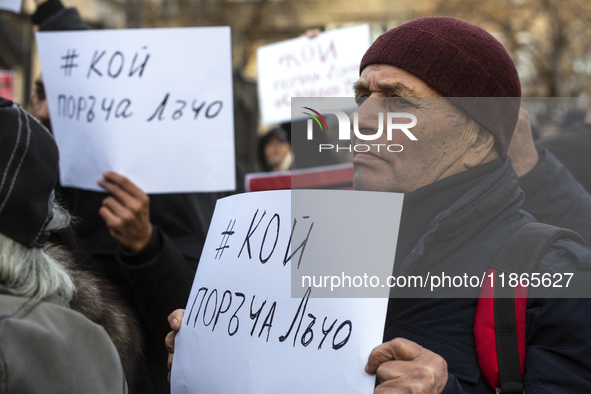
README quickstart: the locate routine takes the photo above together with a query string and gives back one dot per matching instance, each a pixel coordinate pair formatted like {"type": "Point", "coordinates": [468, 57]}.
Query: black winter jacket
{"type": "Point", "coordinates": [467, 218]}
{"type": "Point", "coordinates": [553, 196]}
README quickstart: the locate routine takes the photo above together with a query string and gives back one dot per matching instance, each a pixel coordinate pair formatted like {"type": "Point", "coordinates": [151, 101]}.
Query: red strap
{"type": "Point", "coordinates": [484, 329]}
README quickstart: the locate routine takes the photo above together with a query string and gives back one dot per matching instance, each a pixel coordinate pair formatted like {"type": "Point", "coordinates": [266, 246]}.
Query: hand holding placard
{"type": "Point", "coordinates": [126, 212]}
{"type": "Point", "coordinates": [404, 366]}
{"type": "Point", "coordinates": [174, 320]}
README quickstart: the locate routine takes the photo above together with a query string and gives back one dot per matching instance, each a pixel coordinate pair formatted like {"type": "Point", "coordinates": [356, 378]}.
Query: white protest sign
{"type": "Point", "coordinates": [155, 105]}
{"type": "Point", "coordinates": [324, 66]}
{"type": "Point", "coordinates": [242, 331]}
{"type": "Point", "coordinates": [11, 5]}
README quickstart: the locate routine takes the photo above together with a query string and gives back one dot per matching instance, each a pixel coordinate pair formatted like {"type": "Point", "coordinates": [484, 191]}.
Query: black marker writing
{"type": "Point", "coordinates": [250, 233]}
{"type": "Point", "coordinates": [225, 238]}
{"type": "Point", "coordinates": [114, 67]}
{"type": "Point", "coordinates": [265, 259]}
{"type": "Point", "coordinates": [208, 309]}
{"type": "Point", "coordinates": [212, 109]}
{"type": "Point", "coordinates": [71, 107]}
{"type": "Point", "coordinates": [304, 304]}
{"type": "Point", "coordinates": [69, 62]}
{"type": "Point", "coordinates": [230, 331]}
{"type": "Point", "coordinates": [302, 246]}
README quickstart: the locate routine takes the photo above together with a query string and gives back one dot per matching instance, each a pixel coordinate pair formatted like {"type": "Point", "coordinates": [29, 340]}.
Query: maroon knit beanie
{"type": "Point", "coordinates": [458, 60]}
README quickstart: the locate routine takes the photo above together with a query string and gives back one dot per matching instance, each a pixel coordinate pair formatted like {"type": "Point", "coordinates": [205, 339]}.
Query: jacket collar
{"type": "Point", "coordinates": [493, 191]}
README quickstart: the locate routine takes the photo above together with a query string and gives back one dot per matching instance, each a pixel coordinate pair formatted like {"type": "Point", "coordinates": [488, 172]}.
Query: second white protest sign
{"type": "Point", "coordinates": [324, 66]}
{"type": "Point", "coordinates": [155, 105]}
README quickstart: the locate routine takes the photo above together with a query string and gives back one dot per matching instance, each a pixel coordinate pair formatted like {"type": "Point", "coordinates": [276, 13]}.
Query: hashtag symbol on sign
{"type": "Point", "coordinates": [69, 62]}
{"type": "Point", "coordinates": [225, 238]}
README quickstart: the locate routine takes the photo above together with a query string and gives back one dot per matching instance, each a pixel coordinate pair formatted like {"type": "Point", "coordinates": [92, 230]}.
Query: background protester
{"type": "Point", "coordinates": [552, 194]}
{"type": "Point", "coordinates": [275, 151]}
{"type": "Point", "coordinates": [572, 147]}
{"type": "Point", "coordinates": [62, 329]}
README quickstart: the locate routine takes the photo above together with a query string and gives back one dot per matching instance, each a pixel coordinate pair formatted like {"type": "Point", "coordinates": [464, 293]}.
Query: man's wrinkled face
{"type": "Point", "coordinates": [444, 134]}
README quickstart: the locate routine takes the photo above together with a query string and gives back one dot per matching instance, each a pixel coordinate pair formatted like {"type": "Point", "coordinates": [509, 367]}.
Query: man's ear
{"type": "Point", "coordinates": [482, 150]}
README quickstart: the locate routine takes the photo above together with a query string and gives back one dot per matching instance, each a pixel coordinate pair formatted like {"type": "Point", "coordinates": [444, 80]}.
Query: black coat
{"type": "Point", "coordinates": [456, 226]}
{"type": "Point", "coordinates": [572, 147]}
{"type": "Point", "coordinates": [553, 196]}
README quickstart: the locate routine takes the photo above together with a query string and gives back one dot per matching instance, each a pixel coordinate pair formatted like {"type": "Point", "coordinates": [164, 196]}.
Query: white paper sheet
{"type": "Point", "coordinates": [324, 66]}
{"type": "Point", "coordinates": [155, 105]}
{"type": "Point", "coordinates": [227, 346]}
{"type": "Point", "coordinates": [11, 5]}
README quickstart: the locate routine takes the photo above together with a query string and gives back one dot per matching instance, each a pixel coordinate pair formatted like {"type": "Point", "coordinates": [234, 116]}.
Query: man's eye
{"type": "Point", "coordinates": [398, 102]}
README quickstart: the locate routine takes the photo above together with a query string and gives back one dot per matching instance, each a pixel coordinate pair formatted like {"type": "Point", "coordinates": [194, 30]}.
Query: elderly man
{"type": "Point", "coordinates": [462, 203]}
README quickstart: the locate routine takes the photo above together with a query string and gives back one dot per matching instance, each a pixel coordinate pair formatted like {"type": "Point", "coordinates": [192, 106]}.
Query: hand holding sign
{"type": "Point", "coordinates": [404, 366]}
{"type": "Point", "coordinates": [174, 320]}
{"type": "Point", "coordinates": [126, 212]}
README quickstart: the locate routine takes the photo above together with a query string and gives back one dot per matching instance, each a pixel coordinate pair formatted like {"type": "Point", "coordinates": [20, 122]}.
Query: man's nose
{"type": "Point", "coordinates": [368, 117]}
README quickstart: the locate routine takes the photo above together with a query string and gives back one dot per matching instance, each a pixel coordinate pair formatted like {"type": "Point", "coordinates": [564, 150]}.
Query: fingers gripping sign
{"type": "Point", "coordinates": [174, 320]}
{"type": "Point", "coordinates": [403, 366]}
{"type": "Point", "coordinates": [126, 211]}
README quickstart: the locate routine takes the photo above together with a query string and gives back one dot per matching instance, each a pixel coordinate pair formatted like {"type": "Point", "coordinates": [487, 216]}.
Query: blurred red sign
{"type": "Point", "coordinates": [338, 176]}
{"type": "Point", "coordinates": [7, 78]}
